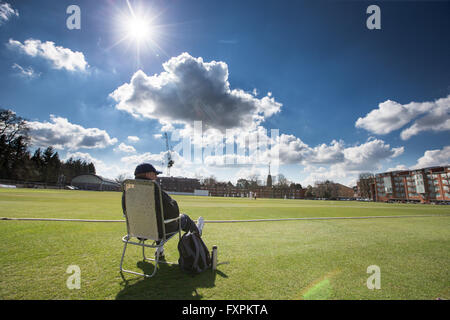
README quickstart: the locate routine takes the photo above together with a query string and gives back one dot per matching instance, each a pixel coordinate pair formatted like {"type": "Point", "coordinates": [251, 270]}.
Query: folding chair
{"type": "Point", "coordinates": [142, 222]}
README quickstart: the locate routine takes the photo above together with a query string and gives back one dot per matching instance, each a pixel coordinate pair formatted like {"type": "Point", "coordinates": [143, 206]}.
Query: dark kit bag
{"type": "Point", "coordinates": [194, 255]}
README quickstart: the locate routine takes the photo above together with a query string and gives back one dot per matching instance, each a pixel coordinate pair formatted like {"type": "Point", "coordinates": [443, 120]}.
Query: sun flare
{"type": "Point", "coordinates": [138, 29]}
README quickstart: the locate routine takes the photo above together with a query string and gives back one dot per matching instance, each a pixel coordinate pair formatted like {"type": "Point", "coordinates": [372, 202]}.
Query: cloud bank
{"type": "Point", "coordinates": [61, 134]}
{"type": "Point", "coordinates": [430, 158]}
{"type": "Point", "coordinates": [6, 12]}
{"type": "Point", "coordinates": [60, 57]}
{"type": "Point", "coordinates": [190, 89]}
{"type": "Point", "coordinates": [391, 116]}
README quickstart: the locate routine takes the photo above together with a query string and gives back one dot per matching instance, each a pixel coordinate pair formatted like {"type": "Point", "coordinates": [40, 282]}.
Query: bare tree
{"type": "Point", "coordinates": [12, 125]}
{"type": "Point", "coordinates": [365, 182]}
{"type": "Point", "coordinates": [282, 181]}
{"type": "Point", "coordinates": [121, 178]}
{"type": "Point", "coordinates": [253, 178]}
{"type": "Point", "coordinates": [210, 181]}
{"type": "Point", "coordinates": [326, 189]}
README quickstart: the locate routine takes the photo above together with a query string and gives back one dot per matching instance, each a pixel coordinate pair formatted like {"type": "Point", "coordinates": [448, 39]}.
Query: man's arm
{"type": "Point", "coordinates": [123, 203]}
{"type": "Point", "coordinates": [170, 206]}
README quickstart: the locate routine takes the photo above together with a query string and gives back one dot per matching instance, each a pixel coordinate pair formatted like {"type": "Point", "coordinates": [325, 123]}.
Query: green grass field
{"type": "Point", "coordinates": [308, 259]}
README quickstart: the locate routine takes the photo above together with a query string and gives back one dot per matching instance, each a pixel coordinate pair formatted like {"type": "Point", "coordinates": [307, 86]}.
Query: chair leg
{"type": "Point", "coordinates": [143, 251]}
{"type": "Point", "coordinates": [137, 273]}
{"type": "Point", "coordinates": [123, 255]}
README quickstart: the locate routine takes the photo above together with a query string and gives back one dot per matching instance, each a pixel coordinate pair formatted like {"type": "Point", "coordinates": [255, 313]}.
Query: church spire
{"type": "Point", "coordinates": [269, 179]}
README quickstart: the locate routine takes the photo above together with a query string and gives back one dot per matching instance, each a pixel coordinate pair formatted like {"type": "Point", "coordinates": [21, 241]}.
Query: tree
{"type": "Point", "coordinates": [243, 184]}
{"type": "Point", "coordinates": [364, 183]}
{"type": "Point", "coordinates": [253, 178]}
{"type": "Point", "coordinates": [121, 178]}
{"type": "Point", "coordinates": [72, 168]}
{"type": "Point", "coordinates": [326, 189]}
{"type": "Point", "coordinates": [37, 164]}
{"type": "Point", "coordinates": [309, 193]}
{"type": "Point", "coordinates": [12, 126]}
{"type": "Point", "coordinates": [282, 181]}
{"type": "Point", "coordinates": [91, 168]}
{"type": "Point", "coordinates": [44, 166]}
{"type": "Point", "coordinates": [210, 181]}
{"type": "Point", "coordinates": [52, 165]}
{"type": "Point", "coordinates": [14, 140]}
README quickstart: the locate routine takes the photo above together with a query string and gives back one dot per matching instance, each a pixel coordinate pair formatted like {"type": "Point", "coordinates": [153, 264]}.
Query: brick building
{"type": "Point", "coordinates": [421, 185]}
{"type": "Point", "coordinates": [225, 190]}
{"type": "Point", "coordinates": [178, 184]}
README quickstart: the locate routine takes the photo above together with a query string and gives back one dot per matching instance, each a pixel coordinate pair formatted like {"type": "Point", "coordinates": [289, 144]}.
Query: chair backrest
{"type": "Point", "coordinates": [141, 212]}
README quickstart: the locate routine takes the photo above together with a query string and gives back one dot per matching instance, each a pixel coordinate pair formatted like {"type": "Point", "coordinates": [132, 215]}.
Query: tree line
{"type": "Point", "coordinates": [252, 182]}
{"type": "Point", "coordinates": [323, 189]}
{"type": "Point", "coordinates": [45, 166]}
{"type": "Point", "coordinates": [328, 189]}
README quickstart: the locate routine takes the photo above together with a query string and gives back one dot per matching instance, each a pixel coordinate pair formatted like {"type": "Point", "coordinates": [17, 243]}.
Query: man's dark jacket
{"type": "Point", "coordinates": [170, 209]}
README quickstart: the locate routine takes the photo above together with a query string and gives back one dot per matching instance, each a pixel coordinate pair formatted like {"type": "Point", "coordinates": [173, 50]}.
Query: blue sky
{"type": "Point", "coordinates": [344, 98]}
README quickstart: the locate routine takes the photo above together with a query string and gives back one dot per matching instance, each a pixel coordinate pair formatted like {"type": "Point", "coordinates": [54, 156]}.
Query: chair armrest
{"type": "Point", "coordinates": [171, 220]}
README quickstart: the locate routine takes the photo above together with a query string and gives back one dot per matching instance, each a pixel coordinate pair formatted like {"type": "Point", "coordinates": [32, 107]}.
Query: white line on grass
{"type": "Point", "coordinates": [234, 221]}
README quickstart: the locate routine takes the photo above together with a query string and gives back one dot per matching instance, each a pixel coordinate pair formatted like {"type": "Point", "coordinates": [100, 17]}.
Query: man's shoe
{"type": "Point", "coordinates": [200, 224]}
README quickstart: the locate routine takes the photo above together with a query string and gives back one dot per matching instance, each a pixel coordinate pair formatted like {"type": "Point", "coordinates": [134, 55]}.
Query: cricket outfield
{"type": "Point", "coordinates": [292, 259]}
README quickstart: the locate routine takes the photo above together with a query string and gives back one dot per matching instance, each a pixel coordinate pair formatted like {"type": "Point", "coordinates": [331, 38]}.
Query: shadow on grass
{"type": "Point", "coordinates": [169, 283]}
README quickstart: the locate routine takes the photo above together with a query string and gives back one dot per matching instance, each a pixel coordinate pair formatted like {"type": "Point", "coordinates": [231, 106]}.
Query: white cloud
{"type": "Point", "coordinates": [391, 116]}
{"type": "Point", "coordinates": [6, 12]}
{"type": "Point", "coordinates": [366, 157]}
{"type": "Point", "coordinates": [182, 167]}
{"type": "Point", "coordinates": [438, 119]}
{"type": "Point", "coordinates": [336, 157]}
{"type": "Point", "coordinates": [326, 154]}
{"type": "Point", "coordinates": [122, 147]}
{"type": "Point", "coordinates": [260, 173]}
{"type": "Point", "coordinates": [62, 134]}
{"type": "Point", "coordinates": [399, 167]}
{"type": "Point", "coordinates": [430, 158]}
{"type": "Point", "coordinates": [190, 89]}
{"type": "Point", "coordinates": [322, 173]}
{"type": "Point", "coordinates": [335, 160]}
{"type": "Point", "coordinates": [293, 150]}
{"type": "Point", "coordinates": [157, 159]}
{"type": "Point", "coordinates": [110, 171]}
{"type": "Point", "coordinates": [133, 138]}
{"type": "Point", "coordinates": [26, 72]}
{"type": "Point", "coordinates": [61, 58]}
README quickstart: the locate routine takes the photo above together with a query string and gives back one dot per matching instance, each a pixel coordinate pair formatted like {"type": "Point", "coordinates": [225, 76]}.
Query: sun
{"type": "Point", "coordinates": [138, 29]}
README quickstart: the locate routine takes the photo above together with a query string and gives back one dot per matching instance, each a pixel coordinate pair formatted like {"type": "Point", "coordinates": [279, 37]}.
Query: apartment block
{"type": "Point", "coordinates": [421, 185]}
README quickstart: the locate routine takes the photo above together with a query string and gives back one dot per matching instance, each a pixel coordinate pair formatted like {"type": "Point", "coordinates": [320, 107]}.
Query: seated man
{"type": "Point", "coordinates": [170, 206]}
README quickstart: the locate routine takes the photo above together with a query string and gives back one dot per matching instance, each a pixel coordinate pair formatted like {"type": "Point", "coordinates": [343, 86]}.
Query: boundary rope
{"type": "Point", "coordinates": [234, 221]}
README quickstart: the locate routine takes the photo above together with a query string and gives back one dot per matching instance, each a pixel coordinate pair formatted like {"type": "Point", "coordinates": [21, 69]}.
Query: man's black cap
{"type": "Point", "coordinates": [144, 168]}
